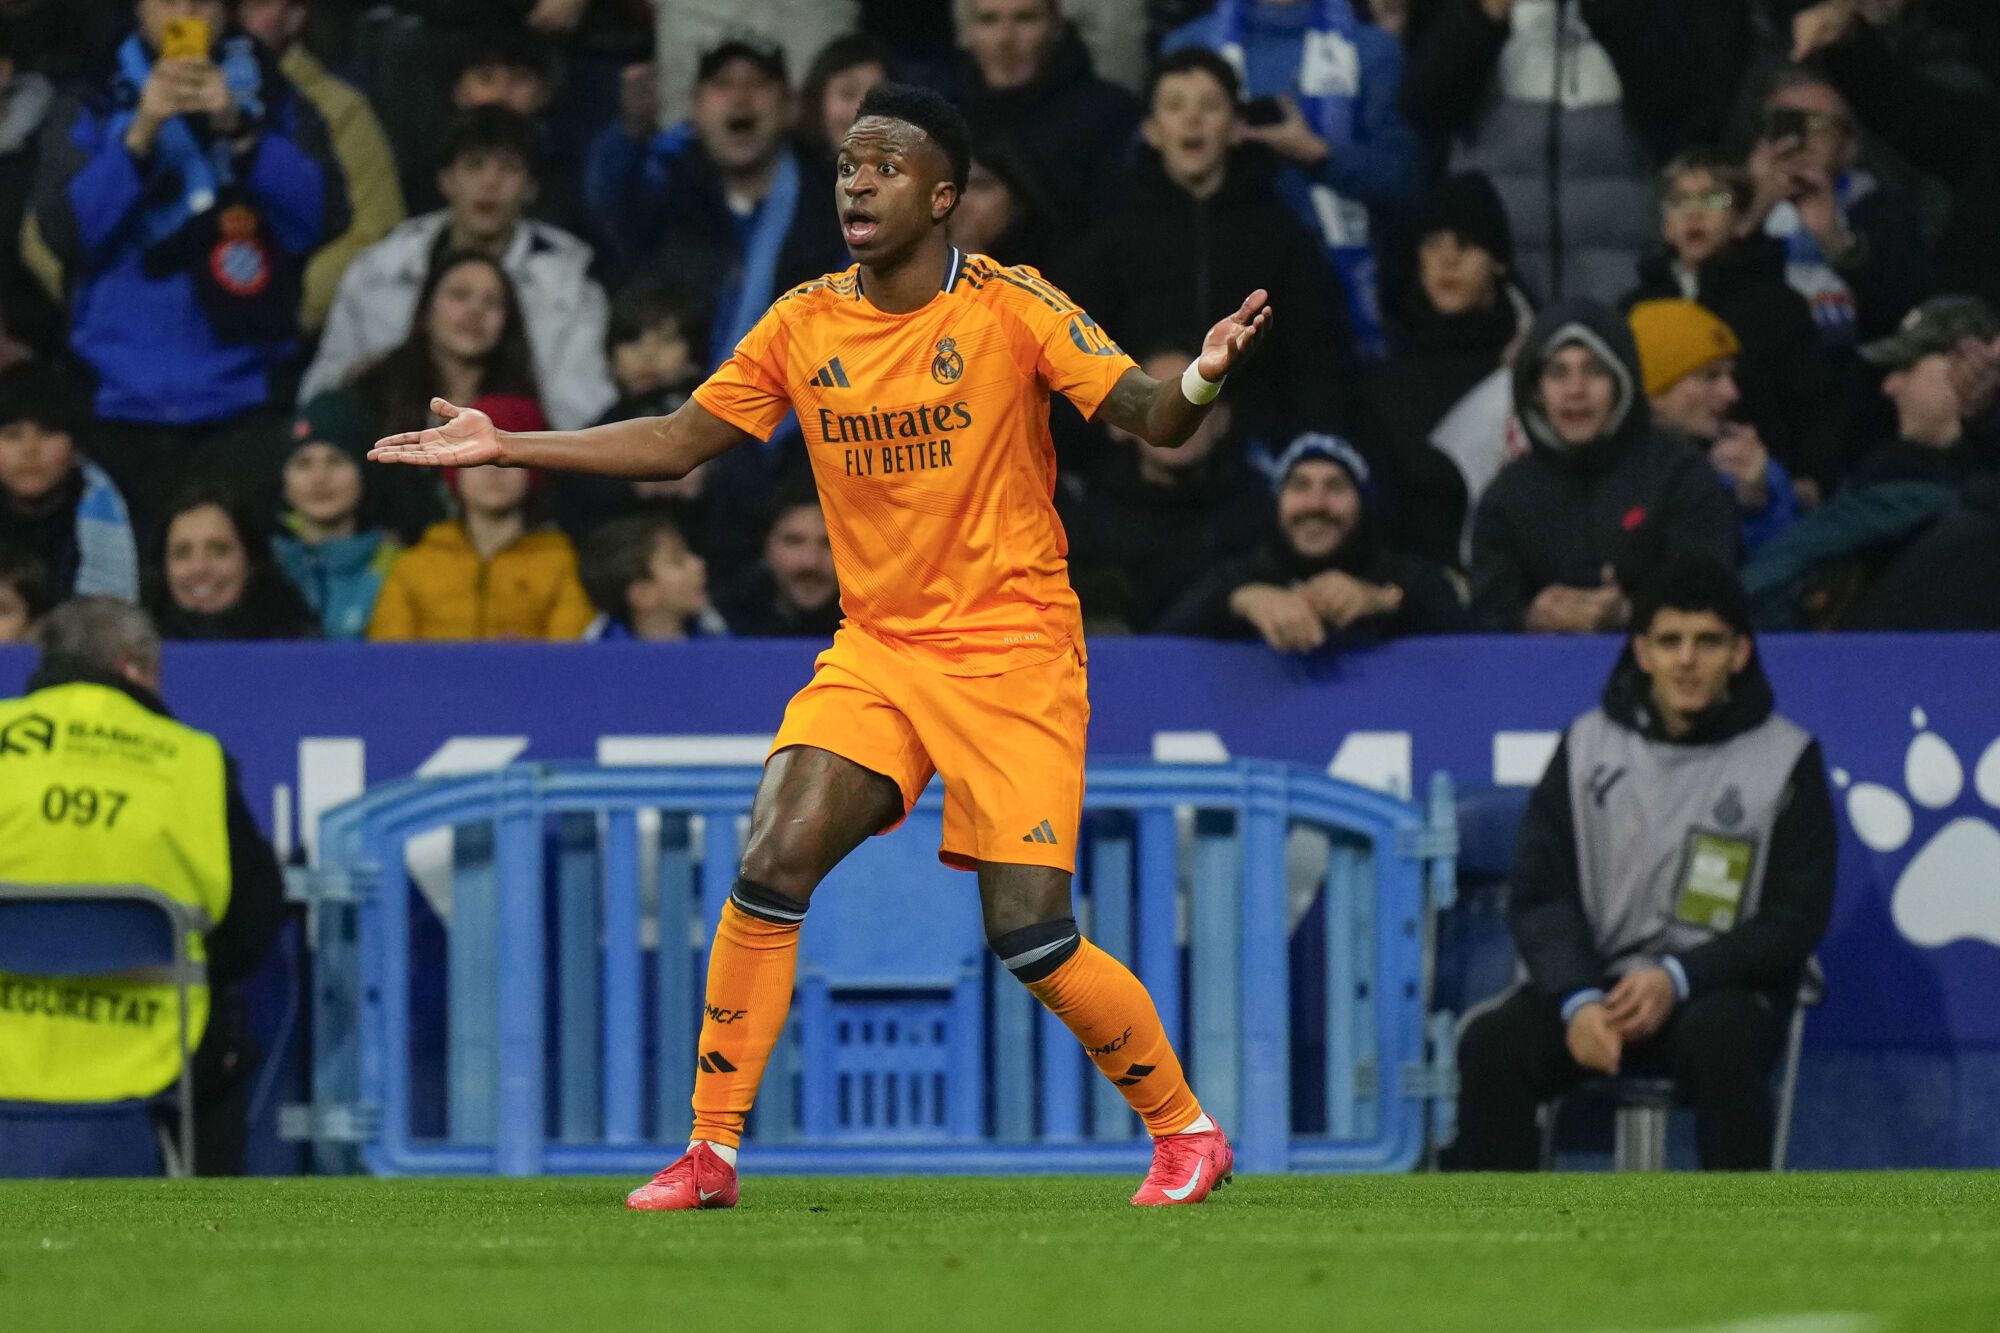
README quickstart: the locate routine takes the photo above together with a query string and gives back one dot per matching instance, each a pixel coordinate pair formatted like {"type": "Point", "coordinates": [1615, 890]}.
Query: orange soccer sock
{"type": "Point", "coordinates": [750, 970]}
{"type": "Point", "coordinates": [1112, 1014]}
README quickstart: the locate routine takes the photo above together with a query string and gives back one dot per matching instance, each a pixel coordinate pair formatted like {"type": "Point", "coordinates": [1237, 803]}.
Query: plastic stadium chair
{"type": "Point", "coordinates": [94, 931]}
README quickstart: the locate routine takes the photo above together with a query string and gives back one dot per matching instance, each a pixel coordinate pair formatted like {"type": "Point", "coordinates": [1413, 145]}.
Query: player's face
{"type": "Point", "coordinates": [33, 462]}
{"type": "Point", "coordinates": [801, 559]}
{"type": "Point", "coordinates": [1698, 404]}
{"type": "Point", "coordinates": [891, 188]}
{"type": "Point", "coordinates": [740, 113]}
{"type": "Point", "coordinates": [206, 563]}
{"type": "Point", "coordinates": [322, 484]}
{"type": "Point", "coordinates": [1690, 657]}
{"type": "Point", "coordinates": [468, 313]}
{"type": "Point", "coordinates": [1191, 124]}
{"type": "Point", "coordinates": [1317, 507]}
{"type": "Point", "coordinates": [1578, 393]}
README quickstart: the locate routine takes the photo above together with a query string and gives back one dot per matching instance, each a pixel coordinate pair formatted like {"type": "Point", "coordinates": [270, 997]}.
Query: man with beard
{"type": "Point", "coordinates": [1322, 577]}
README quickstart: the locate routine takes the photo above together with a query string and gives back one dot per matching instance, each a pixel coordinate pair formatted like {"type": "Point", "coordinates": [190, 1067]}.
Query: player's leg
{"type": "Point", "coordinates": [812, 808]}
{"type": "Point", "coordinates": [1031, 925]}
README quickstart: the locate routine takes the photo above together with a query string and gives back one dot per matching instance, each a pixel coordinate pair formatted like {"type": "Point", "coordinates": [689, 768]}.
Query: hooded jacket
{"type": "Point", "coordinates": [440, 589]}
{"type": "Point", "coordinates": [1562, 513]}
{"type": "Point", "coordinates": [1590, 903]}
{"type": "Point", "coordinates": [1160, 272]}
{"type": "Point", "coordinates": [564, 310]}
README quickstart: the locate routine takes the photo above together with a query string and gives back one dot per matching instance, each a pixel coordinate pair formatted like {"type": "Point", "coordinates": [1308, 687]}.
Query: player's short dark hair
{"type": "Point", "coordinates": [929, 112]}
{"type": "Point", "coordinates": [653, 300]}
{"type": "Point", "coordinates": [1688, 580]}
{"type": "Point", "coordinates": [491, 129]}
{"type": "Point", "coordinates": [1191, 60]}
{"type": "Point", "coordinates": [619, 553]}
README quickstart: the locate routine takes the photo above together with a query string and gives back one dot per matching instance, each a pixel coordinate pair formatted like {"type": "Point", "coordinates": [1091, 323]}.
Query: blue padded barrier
{"type": "Point", "coordinates": [582, 899]}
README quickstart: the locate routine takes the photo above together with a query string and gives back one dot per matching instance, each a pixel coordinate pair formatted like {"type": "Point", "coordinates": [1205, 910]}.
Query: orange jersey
{"type": "Point", "coordinates": [929, 437]}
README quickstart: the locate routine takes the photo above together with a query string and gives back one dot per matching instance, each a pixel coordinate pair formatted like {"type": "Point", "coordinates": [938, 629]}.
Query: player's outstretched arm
{"type": "Point", "coordinates": [1160, 411]}
{"type": "Point", "coordinates": [646, 449]}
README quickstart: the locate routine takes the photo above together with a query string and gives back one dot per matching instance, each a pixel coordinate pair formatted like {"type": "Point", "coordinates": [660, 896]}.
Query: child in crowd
{"type": "Point", "coordinates": [212, 575]}
{"type": "Point", "coordinates": [329, 546]}
{"type": "Point", "coordinates": [646, 582]}
{"type": "Point", "coordinates": [24, 597]}
{"type": "Point", "coordinates": [490, 572]}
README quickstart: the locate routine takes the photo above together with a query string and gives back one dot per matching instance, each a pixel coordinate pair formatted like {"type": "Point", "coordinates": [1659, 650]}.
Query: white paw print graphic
{"type": "Point", "coordinates": [1950, 890]}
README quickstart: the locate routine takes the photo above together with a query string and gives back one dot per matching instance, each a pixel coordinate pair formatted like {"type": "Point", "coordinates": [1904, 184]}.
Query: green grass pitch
{"type": "Point", "coordinates": [1797, 1253]}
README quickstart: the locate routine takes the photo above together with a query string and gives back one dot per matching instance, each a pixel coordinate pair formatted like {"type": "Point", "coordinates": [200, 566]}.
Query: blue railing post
{"type": "Point", "coordinates": [1214, 967]}
{"type": "Point", "coordinates": [578, 1011]}
{"type": "Point", "coordinates": [522, 966]}
{"type": "Point", "coordinates": [472, 937]}
{"type": "Point", "coordinates": [623, 1007]}
{"type": "Point", "coordinates": [677, 970]}
{"type": "Point", "coordinates": [1158, 895]}
{"type": "Point", "coordinates": [1264, 1140]}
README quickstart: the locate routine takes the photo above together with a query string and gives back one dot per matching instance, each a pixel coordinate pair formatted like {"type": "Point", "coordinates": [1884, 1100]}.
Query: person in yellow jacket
{"type": "Point", "coordinates": [490, 573]}
{"type": "Point", "coordinates": [100, 785]}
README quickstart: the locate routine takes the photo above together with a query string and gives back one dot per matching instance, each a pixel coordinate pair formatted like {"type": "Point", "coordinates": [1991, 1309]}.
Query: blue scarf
{"type": "Point", "coordinates": [204, 169]}
{"type": "Point", "coordinates": [1328, 82]}
{"type": "Point", "coordinates": [742, 308]}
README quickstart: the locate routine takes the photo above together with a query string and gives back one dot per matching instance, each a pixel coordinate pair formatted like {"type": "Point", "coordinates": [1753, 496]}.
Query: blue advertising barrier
{"type": "Point", "coordinates": [1902, 1062]}
{"type": "Point", "coordinates": [894, 1067]}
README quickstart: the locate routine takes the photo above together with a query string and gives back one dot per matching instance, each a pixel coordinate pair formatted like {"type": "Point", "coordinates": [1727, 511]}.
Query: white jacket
{"type": "Point", "coordinates": [566, 313]}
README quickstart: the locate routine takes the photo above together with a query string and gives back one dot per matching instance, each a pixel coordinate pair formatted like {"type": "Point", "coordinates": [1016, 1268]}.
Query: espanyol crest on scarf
{"type": "Point", "coordinates": [1329, 82]}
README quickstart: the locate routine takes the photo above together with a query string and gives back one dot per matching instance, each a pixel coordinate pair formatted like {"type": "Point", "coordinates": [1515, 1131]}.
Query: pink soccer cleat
{"type": "Point", "coordinates": [1186, 1168]}
{"type": "Point", "coordinates": [697, 1179]}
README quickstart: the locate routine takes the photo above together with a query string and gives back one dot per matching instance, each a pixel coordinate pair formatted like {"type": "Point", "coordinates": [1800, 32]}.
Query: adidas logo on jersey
{"type": "Point", "coordinates": [832, 375]}
{"type": "Point", "coordinates": [1042, 834]}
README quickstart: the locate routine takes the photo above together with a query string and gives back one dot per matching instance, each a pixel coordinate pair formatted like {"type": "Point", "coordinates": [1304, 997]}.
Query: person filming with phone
{"type": "Point", "coordinates": [183, 198]}
{"type": "Point", "coordinates": [1855, 248]}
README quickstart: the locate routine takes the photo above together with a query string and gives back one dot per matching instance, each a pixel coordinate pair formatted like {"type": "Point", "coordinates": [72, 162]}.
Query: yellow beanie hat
{"type": "Point", "coordinates": [1677, 338]}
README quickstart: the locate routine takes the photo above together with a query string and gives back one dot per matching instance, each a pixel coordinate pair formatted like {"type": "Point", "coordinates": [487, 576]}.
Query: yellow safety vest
{"type": "Point", "coordinates": [96, 789]}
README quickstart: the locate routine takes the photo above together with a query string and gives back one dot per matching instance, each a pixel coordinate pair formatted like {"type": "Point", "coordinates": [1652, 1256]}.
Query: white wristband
{"type": "Point", "coordinates": [1197, 390]}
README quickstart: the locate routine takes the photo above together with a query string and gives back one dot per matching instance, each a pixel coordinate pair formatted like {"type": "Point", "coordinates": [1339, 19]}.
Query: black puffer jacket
{"type": "Point", "coordinates": [1563, 513]}
{"type": "Point", "coordinates": [1946, 578]}
{"type": "Point", "coordinates": [1074, 127]}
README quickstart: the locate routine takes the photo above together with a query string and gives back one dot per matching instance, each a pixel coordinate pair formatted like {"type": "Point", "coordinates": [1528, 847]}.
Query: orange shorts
{"type": "Point", "coordinates": [1009, 747]}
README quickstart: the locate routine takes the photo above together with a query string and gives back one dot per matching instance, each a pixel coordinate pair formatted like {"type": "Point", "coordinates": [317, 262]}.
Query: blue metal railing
{"type": "Point", "coordinates": [580, 903]}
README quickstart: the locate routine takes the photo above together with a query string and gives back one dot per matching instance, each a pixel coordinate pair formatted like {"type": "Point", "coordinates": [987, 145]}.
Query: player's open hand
{"type": "Point", "coordinates": [1228, 342]}
{"type": "Point", "coordinates": [467, 438]}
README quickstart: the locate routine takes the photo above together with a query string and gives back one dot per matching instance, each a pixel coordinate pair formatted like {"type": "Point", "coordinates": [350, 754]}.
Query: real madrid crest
{"type": "Point", "coordinates": [947, 365]}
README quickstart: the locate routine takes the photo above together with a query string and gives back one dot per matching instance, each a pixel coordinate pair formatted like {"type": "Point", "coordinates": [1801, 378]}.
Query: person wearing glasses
{"type": "Point", "coordinates": [1854, 247]}
{"type": "Point", "coordinates": [1713, 252]}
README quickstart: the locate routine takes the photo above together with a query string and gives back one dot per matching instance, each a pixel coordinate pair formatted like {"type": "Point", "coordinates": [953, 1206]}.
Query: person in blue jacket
{"type": "Point", "coordinates": [183, 198]}
{"type": "Point", "coordinates": [330, 542]}
{"type": "Point", "coordinates": [1327, 86]}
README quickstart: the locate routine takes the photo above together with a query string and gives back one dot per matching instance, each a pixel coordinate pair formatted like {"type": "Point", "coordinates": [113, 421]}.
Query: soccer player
{"type": "Point", "coordinates": [921, 379]}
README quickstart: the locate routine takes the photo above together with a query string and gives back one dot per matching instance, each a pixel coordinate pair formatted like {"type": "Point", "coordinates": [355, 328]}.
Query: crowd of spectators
{"type": "Point", "coordinates": [1562, 287]}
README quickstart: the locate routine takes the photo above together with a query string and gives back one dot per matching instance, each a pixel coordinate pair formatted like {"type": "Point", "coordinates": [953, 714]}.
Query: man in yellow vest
{"type": "Point", "coordinates": [99, 785]}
